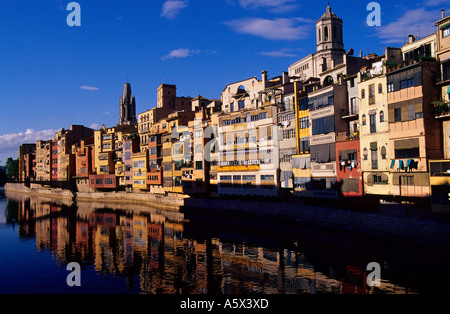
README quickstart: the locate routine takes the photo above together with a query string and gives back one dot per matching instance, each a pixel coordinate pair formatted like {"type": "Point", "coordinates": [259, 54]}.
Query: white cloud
{"type": "Point", "coordinates": [283, 53]}
{"type": "Point", "coordinates": [278, 29]}
{"type": "Point", "coordinates": [433, 3]}
{"type": "Point", "coordinates": [180, 53]}
{"type": "Point", "coordinates": [89, 88]}
{"type": "Point", "coordinates": [276, 6]}
{"type": "Point", "coordinates": [95, 126]}
{"type": "Point", "coordinates": [9, 143]}
{"type": "Point", "coordinates": [416, 22]}
{"type": "Point", "coordinates": [171, 8]}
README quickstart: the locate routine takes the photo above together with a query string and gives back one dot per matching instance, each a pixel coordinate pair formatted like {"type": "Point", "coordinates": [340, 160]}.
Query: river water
{"type": "Point", "coordinates": [134, 249]}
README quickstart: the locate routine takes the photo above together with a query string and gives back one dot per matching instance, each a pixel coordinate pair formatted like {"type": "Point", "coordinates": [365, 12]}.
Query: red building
{"type": "Point", "coordinates": [84, 158]}
{"type": "Point", "coordinates": [349, 174]}
{"type": "Point", "coordinates": [106, 181]}
{"type": "Point", "coordinates": [155, 173]}
{"type": "Point", "coordinates": [54, 160]}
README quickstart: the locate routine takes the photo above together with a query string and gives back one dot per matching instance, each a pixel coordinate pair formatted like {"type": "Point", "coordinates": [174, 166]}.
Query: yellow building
{"type": "Point", "coordinates": [140, 168]}
{"type": "Point", "coordinates": [43, 150]}
{"type": "Point", "coordinates": [440, 185]}
{"type": "Point", "coordinates": [108, 147]}
{"type": "Point", "coordinates": [374, 131]}
{"type": "Point", "coordinates": [301, 163]}
{"type": "Point", "coordinates": [443, 57]}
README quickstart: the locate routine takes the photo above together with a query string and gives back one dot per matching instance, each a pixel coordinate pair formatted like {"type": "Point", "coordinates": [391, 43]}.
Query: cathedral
{"type": "Point", "coordinates": [127, 107]}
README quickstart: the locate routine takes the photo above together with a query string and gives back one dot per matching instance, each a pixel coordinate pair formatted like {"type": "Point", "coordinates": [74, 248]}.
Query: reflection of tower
{"type": "Point", "coordinates": [127, 107]}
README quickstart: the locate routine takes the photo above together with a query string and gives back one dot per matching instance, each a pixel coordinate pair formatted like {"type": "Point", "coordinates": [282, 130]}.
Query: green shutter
{"type": "Point", "coordinates": [445, 26]}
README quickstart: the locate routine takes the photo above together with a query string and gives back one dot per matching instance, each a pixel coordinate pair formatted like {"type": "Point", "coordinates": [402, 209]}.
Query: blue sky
{"type": "Point", "coordinates": [53, 75]}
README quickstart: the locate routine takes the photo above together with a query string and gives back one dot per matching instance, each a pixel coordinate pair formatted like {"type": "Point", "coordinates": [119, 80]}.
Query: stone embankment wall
{"type": "Point", "coordinates": [403, 229]}
{"type": "Point", "coordinates": [166, 202]}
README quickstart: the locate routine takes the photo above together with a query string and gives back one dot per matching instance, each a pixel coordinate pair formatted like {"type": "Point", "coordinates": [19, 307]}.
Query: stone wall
{"type": "Point", "coordinates": [402, 229]}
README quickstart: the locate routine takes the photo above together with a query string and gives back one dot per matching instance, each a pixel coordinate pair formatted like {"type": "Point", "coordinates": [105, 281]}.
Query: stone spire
{"type": "Point", "coordinates": [127, 107]}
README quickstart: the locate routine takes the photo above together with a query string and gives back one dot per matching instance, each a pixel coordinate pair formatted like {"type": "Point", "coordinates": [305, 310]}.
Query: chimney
{"type": "Point", "coordinates": [412, 38]}
{"type": "Point", "coordinates": [443, 13]}
{"type": "Point", "coordinates": [264, 78]}
{"type": "Point", "coordinates": [286, 78]}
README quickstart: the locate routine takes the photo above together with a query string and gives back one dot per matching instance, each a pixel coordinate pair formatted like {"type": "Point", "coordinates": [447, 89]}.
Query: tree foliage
{"type": "Point", "coordinates": [12, 168]}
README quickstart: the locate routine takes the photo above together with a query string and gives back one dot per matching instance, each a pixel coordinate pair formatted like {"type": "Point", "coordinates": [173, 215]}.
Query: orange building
{"type": "Point", "coordinates": [415, 136]}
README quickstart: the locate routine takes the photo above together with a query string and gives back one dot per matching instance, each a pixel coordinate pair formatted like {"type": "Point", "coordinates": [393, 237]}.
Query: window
{"type": "Point", "coordinates": [331, 101]}
{"type": "Point", "coordinates": [323, 125]}
{"type": "Point", "coordinates": [390, 87]}
{"type": "Point", "coordinates": [383, 153]}
{"type": "Point", "coordinates": [304, 123]}
{"type": "Point", "coordinates": [373, 123]}
{"type": "Point", "coordinates": [198, 165]}
{"type": "Point", "coordinates": [353, 106]}
{"type": "Point", "coordinates": [365, 154]}
{"type": "Point", "coordinates": [381, 116]}
{"type": "Point", "coordinates": [398, 114]}
{"type": "Point", "coordinates": [108, 181]}
{"type": "Point", "coordinates": [380, 88]}
{"type": "Point", "coordinates": [304, 147]}
{"type": "Point", "coordinates": [446, 32]}
{"type": "Point", "coordinates": [378, 179]}
{"type": "Point", "coordinates": [372, 94]}
{"type": "Point", "coordinates": [411, 113]}
{"type": "Point", "coordinates": [405, 149]}
{"type": "Point", "coordinates": [364, 119]}
{"type": "Point", "coordinates": [407, 180]}
{"type": "Point", "coordinates": [241, 105]}
{"type": "Point", "coordinates": [407, 83]}
{"type": "Point", "coordinates": [374, 160]}
{"type": "Point", "coordinates": [363, 94]}
{"type": "Point", "coordinates": [104, 169]}
{"type": "Point", "coordinates": [198, 133]}
{"type": "Point", "coordinates": [288, 134]}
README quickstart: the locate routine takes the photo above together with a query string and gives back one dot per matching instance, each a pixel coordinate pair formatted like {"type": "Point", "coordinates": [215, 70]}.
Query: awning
{"type": "Point", "coordinates": [446, 25]}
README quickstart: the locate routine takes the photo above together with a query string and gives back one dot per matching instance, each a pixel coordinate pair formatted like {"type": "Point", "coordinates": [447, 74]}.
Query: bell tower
{"type": "Point", "coordinates": [329, 32]}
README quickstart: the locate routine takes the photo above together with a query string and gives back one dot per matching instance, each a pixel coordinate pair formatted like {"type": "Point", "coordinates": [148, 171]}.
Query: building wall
{"type": "Point", "coordinates": [140, 168]}
{"type": "Point", "coordinates": [349, 174]}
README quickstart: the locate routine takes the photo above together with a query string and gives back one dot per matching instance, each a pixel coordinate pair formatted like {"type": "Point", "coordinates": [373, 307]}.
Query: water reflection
{"type": "Point", "coordinates": [163, 253]}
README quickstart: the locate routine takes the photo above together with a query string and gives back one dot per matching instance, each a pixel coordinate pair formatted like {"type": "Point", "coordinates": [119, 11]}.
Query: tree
{"type": "Point", "coordinates": [12, 169]}
{"type": "Point", "coordinates": [3, 177]}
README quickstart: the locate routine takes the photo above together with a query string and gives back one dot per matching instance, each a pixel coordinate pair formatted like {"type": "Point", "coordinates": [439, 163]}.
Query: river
{"type": "Point", "coordinates": [134, 249]}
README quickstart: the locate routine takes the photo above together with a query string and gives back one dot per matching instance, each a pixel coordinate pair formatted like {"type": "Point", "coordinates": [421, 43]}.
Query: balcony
{"type": "Point", "coordinates": [441, 109]}
{"type": "Point", "coordinates": [347, 136]}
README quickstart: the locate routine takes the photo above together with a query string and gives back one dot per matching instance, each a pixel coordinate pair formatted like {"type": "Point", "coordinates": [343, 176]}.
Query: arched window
{"type": "Point", "coordinates": [380, 88]}
{"type": "Point", "coordinates": [364, 119]}
{"type": "Point", "coordinates": [325, 33]}
{"type": "Point", "coordinates": [363, 94]}
{"type": "Point", "coordinates": [320, 35]}
{"type": "Point", "coordinates": [365, 154]}
{"type": "Point", "coordinates": [381, 116]}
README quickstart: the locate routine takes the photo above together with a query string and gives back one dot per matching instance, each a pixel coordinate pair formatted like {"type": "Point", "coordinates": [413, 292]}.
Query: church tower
{"type": "Point", "coordinates": [127, 107]}
{"type": "Point", "coordinates": [329, 32]}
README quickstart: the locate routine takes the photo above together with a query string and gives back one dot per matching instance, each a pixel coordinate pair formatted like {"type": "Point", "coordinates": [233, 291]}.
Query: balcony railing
{"type": "Point", "coordinates": [441, 108]}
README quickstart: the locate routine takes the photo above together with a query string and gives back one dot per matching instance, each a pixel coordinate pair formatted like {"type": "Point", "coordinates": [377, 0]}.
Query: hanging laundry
{"type": "Point", "coordinates": [393, 164]}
